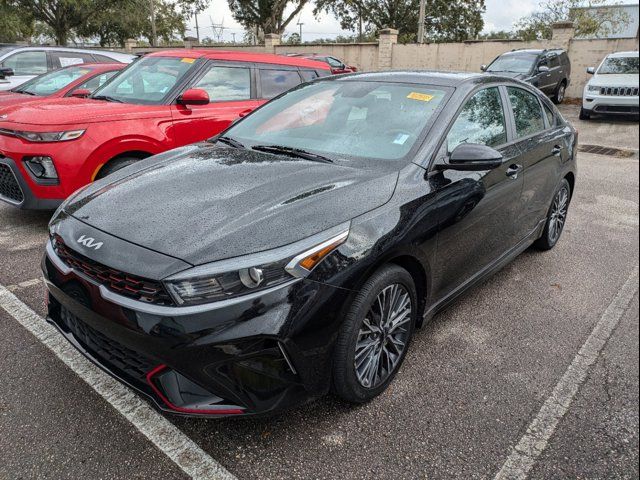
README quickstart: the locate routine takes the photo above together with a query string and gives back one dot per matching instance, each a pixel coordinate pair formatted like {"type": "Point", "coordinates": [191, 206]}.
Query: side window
{"type": "Point", "coordinates": [480, 121]}
{"type": "Point", "coordinates": [554, 61]}
{"type": "Point", "coordinates": [543, 62]}
{"type": "Point", "coordinates": [104, 59]}
{"type": "Point", "coordinates": [308, 75]}
{"type": "Point", "coordinates": [526, 111]}
{"type": "Point", "coordinates": [95, 82]}
{"type": "Point", "coordinates": [551, 117]}
{"type": "Point", "coordinates": [275, 82]}
{"type": "Point", "coordinates": [334, 62]}
{"type": "Point", "coordinates": [226, 84]}
{"type": "Point", "coordinates": [27, 63]}
{"type": "Point", "coordinates": [67, 59]}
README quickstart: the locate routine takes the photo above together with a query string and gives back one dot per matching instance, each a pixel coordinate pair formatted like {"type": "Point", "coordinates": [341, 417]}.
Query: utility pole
{"type": "Point", "coordinates": [195, 14]}
{"type": "Point", "coordinates": [234, 38]}
{"type": "Point", "coordinates": [300, 24]}
{"type": "Point", "coordinates": [423, 12]}
{"type": "Point", "coordinates": [154, 32]}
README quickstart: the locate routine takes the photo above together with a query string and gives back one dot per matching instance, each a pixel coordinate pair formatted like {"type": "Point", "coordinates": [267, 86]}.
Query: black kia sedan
{"type": "Point", "coordinates": [297, 253]}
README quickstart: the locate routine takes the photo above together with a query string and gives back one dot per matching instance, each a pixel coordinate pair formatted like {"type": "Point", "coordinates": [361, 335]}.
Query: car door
{"type": "Point", "coordinates": [232, 93]}
{"type": "Point", "coordinates": [478, 208]}
{"type": "Point", "coordinates": [544, 143]}
{"type": "Point", "coordinates": [545, 79]}
{"type": "Point", "coordinates": [25, 65]}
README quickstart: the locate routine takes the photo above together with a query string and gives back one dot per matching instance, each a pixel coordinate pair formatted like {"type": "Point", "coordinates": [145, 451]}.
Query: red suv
{"type": "Point", "coordinates": [162, 101]}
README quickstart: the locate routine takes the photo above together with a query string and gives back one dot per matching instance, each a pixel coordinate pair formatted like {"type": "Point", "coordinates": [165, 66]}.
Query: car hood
{"type": "Point", "coordinates": [615, 80]}
{"type": "Point", "coordinates": [204, 203]}
{"type": "Point", "coordinates": [73, 111]}
{"type": "Point", "coordinates": [8, 99]}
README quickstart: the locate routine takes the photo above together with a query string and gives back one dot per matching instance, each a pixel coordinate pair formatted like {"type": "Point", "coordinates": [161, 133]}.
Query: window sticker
{"type": "Point", "coordinates": [423, 97]}
{"type": "Point", "coordinates": [188, 60]}
{"type": "Point", "coordinates": [401, 139]}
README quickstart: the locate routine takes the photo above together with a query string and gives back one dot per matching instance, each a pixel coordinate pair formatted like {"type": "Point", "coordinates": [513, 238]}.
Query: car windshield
{"type": "Point", "coordinates": [513, 64]}
{"type": "Point", "coordinates": [338, 119]}
{"type": "Point", "coordinates": [620, 66]}
{"type": "Point", "coordinates": [147, 81]}
{"type": "Point", "coordinates": [50, 83]}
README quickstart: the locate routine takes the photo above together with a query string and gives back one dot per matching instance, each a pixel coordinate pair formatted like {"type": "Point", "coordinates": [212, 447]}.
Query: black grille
{"type": "Point", "coordinates": [9, 187]}
{"type": "Point", "coordinates": [619, 91]}
{"type": "Point", "coordinates": [132, 286]}
{"type": "Point", "coordinates": [111, 352]}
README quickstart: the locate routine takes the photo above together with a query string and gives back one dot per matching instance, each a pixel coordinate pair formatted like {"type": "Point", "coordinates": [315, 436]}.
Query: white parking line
{"type": "Point", "coordinates": [188, 456]}
{"type": "Point", "coordinates": [524, 455]}
{"type": "Point", "coordinates": [25, 284]}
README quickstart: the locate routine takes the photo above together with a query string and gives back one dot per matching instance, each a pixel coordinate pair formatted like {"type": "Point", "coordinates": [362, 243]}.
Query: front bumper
{"type": "Point", "coordinates": [17, 191]}
{"type": "Point", "coordinates": [610, 104]}
{"type": "Point", "coordinates": [258, 356]}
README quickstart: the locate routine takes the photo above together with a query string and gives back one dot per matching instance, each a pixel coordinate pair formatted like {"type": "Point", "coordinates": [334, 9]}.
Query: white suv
{"type": "Point", "coordinates": [613, 88]}
{"type": "Point", "coordinates": [19, 64]}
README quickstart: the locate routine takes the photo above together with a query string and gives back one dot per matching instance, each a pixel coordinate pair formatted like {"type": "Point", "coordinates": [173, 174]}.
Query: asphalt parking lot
{"type": "Point", "coordinates": [533, 373]}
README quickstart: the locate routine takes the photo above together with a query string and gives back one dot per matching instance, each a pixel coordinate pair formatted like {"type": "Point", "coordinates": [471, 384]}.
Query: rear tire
{"type": "Point", "coordinates": [585, 114]}
{"type": "Point", "coordinates": [371, 345]}
{"type": "Point", "coordinates": [556, 218]}
{"type": "Point", "coordinates": [559, 95]}
{"type": "Point", "coordinates": [115, 165]}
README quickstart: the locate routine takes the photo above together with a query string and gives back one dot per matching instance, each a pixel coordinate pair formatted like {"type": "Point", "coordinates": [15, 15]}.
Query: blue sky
{"type": "Point", "coordinates": [500, 15]}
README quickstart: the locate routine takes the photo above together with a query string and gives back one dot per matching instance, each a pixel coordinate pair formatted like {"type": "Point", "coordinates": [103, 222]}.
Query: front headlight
{"type": "Point", "coordinates": [45, 137]}
{"type": "Point", "coordinates": [593, 88]}
{"type": "Point", "coordinates": [253, 273]}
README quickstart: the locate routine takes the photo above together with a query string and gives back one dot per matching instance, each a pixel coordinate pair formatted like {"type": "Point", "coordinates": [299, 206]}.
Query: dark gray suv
{"type": "Point", "coordinates": [549, 70]}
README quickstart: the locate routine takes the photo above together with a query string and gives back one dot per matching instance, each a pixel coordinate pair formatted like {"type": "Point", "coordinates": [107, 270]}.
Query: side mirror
{"type": "Point", "coordinates": [81, 93]}
{"type": "Point", "coordinates": [483, 68]}
{"type": "Point", "coordinates": [194, 96]}
{"type": "Point", "coordinates": [472, 157]}
{"type": "Point", "coordinates": [6, 72]}
{"type": "Point", "coordinates": [543, 69]}
{"type": "Point", "coordinates": [591, 70]}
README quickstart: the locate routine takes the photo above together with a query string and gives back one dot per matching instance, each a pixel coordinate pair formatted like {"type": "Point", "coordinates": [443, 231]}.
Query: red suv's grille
{"type": "Point", "coordinates": [132, 286]}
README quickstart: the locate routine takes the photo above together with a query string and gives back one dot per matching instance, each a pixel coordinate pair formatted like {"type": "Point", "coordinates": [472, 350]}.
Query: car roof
{"type": "Point", "coordinates": [100, 67]}
{"type": "Point", "coordinates": [426, 77]}
{"type": "Point", "coordinates": [623, 54]}
{"type": "Point", "coordinates": [248, 57]}
{"type": "Point", "coordinates": [125, 57]}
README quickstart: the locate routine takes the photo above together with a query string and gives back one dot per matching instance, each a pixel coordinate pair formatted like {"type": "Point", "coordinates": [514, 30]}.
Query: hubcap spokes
{"type": "Point", "coordinates": [383, 336]}
{"type": "Point", "coordinates": [558, 214]}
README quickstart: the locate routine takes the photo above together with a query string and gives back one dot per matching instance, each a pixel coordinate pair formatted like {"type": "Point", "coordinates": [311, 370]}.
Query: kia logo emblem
{"type": "Point", "coordinates": [90, 242]}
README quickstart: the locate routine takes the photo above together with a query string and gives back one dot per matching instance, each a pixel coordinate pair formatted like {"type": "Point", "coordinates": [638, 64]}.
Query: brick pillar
{"type": "Point", "coordinates": [130, 44]}
{"type": "Point", "coordinates": [271, 41]}
{"type": "Point", "coordinates": [388, 38]}
{"type": "Point", "coordinates": [190, 42]}
{"type": "Point", "coordinates": [563, 33]}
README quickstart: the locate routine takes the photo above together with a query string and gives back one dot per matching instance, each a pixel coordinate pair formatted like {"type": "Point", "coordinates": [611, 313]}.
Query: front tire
{"type": "Point", "coordinates": [584, 114]}
{"type": "Point", "coordinates": [375, 336]}
{"type": "Point", "coordinates": [559, 95]}
{"type": "Point", "coordinates": [556, 218]}
{"type": "Point", "coordinates": [115, 165]}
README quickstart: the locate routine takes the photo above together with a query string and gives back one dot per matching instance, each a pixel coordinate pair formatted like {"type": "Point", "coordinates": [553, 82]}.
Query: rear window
{"type": "Point", "coordinates": [275, 82]}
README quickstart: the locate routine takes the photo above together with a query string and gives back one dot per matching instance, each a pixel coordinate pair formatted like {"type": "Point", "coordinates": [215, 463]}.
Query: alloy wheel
{"type": "Point", "coordinates": [561, 92]}
{"type": "Point", "coordinates": [558, 214]}
{"type": "Point", "coordinates": [383, 336]}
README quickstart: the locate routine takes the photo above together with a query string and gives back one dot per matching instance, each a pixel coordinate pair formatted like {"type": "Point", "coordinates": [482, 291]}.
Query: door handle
{"type": "Point", "coordinates": [557, 151]}
{"type": "Point", "coordinates": [514, 170]}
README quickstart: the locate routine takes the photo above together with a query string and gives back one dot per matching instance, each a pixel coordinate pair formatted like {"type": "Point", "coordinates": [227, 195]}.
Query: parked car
{"type": "Point", "coordinates": [162, 101]}
{"type": "Point", "coordinates": [548, 70]}
{"type": "Point", "coordinates": [613, 88]}
{"type": "Point", "coordinates": [299, 250]}
{"type": "Point", "coordinates": [82, 79]}
{"type": "Point", "coordinates": [337, 66]}
{"type": "Point", "coordinates": [19, 64]}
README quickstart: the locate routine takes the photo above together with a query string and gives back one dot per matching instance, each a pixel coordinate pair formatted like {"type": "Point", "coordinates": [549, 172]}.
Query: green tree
{"type": "Point", "coordinates": [446, 20]}
{"type": "Point", "coordinates": [15, 24]}
{"type": "Point", "coordinates": [266, 15]}
{"type": "Point", "coordinates": [538, 25]}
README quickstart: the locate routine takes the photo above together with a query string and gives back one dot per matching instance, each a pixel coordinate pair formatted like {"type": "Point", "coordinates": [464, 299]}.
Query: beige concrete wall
{"type": "Point", "coordinates": [364, 56]}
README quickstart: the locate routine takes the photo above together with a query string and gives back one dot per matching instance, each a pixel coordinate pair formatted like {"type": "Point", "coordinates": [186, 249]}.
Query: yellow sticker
{"type": "Point", "coordinates": [423, 97]}
{"type": "Point", "coordinates": [188, 60]}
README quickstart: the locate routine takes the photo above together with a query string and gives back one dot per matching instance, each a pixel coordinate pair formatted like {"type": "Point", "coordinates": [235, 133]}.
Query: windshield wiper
{"type": "Point", "coordinates": [25, 92]}
{"type": "Point", "coordinates": [107, 98]}
{"type": "Point", "coordinates": [295, 152]}
{"type": "Point", "coordinates": [230, 141]}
